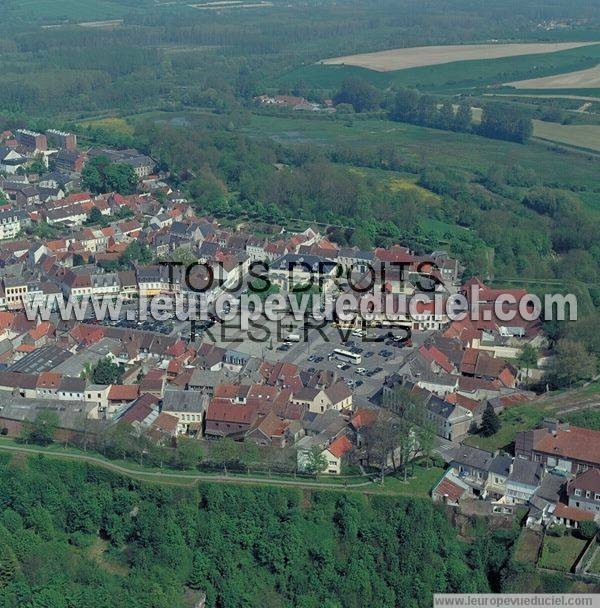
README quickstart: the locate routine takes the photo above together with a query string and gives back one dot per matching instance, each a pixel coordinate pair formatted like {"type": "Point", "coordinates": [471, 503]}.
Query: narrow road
{"type": "Point", "coordinates": [182, 479]}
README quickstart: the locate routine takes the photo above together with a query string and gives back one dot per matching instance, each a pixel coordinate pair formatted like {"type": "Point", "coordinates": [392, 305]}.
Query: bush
{"type": "Point", "coordinates": [587, 530]}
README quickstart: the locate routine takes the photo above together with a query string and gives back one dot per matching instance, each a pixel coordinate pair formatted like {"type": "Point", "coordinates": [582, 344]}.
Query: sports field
{"type": "Point", "coordinates": [416, 57]}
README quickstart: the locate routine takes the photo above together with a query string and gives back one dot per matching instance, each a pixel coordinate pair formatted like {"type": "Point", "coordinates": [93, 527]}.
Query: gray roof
{"type": "Point", "coordinates": [72, 385]}
{"type": "Point", "coordinates": [329, 422]}
{"type": "Point", "coordinates": [71, 415]}
{"type": "Point", "coordinates": [41, 360]}
{"type": "Point", "coordinates": [303, 262]}
{"type": "Point", "coordinates": [551, 487]}
{"type": "Point", "coordinates": [473, 457]}
{"type": "Point", "coordinates": [526, 472]}
{"type": "Point", "coordinates": [501, 465]}
{"type": "Point", "coordinates": [76, 363]}
{"type": "Point", "coordinates": [202, 377]}
{"type": "Point", "coordinates": [440, 407]}
{"type": "Point", "coordinates": [184, 401]}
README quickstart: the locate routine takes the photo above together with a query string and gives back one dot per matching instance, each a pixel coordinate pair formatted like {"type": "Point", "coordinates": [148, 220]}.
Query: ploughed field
{"type": "Point", "coordinates": [581, 79]}
{"type": "Point", "coordinates": [400, 59]}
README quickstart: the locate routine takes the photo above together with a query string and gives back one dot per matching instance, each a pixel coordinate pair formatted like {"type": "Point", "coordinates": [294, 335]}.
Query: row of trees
{"type": "Point", "coordinates": [498, 121]}
{"type": "Point", "coordinates": [410, 106]}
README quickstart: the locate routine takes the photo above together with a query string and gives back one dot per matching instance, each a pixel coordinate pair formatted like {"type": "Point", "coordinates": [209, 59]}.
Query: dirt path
{"type": "Point", "coordinates": [182, 479]}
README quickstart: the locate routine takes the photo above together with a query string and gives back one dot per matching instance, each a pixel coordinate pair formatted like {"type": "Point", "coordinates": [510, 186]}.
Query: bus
{"type": "Point", "coordinates": [347, 356]}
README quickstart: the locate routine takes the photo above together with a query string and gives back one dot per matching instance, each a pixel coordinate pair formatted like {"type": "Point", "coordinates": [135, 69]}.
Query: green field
{"type": "Point", "coordinates": [594, 566]}
{"type": "Point", "coordinates": [527, 546]}
{"type": "Point", "coordinates": [581, 136]}
{"type": "Point", "coordinates": [560, 553]}
{"type": "Point", "coordinates": [431, 146]}
{"type": "Point", "coordinates": [450, 77]}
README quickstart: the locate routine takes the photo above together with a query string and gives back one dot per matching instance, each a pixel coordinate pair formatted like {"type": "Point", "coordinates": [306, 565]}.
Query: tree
{"type": "Point", "coordinates": [528, 357]}
{"type": "Point", "coordinates": [8, 565]}
{"type": "Point", "coordinates": [100, 175]}
{"type": "Point", "coordinates": [500, 121]}
{"type": "Point", "coordinates": [358, 93]}
{"type": "Point", "coordinates": [490, 423]}
{"type": "Point", "coordinates": [224, 450]}
{"type": "Point", "coordinates": [316, 461]}
{"type": "Point", "coordinates": [405, 106]}
{"type": "Point", "coordinates": [136, 252]}
{"type": "Point", "coordinates": [463, 117]}
{"type": "Point", "coordinates": [107, 372]}
{"type": "Point", "coordinates": [572, 363]}
{"type": "Point", "coordinates": [188, 453]}
{"type": "Point", "coordinates": [95, 217]}
{"type": "Point", "coordinates": [43, 428]}
{"type": "Point", "coordinates": [587, 529]}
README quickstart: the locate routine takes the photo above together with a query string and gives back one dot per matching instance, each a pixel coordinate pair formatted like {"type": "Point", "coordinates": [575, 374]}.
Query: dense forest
{"type": "Point", "coordinates": [75, 536]}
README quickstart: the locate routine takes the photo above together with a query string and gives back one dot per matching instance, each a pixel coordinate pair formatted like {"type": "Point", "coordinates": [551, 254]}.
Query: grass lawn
{"type": "Point", "coordinates": [419, 485]}
{"type": "Point", "coordinates": [514, 419]}
{"type": "Point", "coordinates": [530, 415]}
{"type": "Point", "coordinates": [527, 546]}
{"type": "Point", "coordinates": [560, 553]}
{"type": "Point", "coordinates": [594, 566]}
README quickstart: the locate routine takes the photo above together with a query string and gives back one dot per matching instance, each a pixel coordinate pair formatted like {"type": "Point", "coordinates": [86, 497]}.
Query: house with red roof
{"type": "Point", "coordinates": [226, 419]}
{"type": "Point", "coordinates": [269, 431]}
{"type": "Point", "coordinates": [335, 453]}
{"type": "Point", "coordinates": [568, 448]}
{"type": "Point", "coordinates": [141, 413]}
{"type": "Point", "coordinates": [449, 490]}
{"type": "Point", "coordinates": [583, 492]}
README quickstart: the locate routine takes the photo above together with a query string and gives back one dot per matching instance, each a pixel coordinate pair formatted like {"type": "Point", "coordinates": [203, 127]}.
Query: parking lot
{"type": "Point", "coordinates": [380, 354]}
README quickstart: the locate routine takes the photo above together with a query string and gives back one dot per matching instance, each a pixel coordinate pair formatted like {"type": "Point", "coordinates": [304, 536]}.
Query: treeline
{"type": "Point", "coordinates": [75, 536]}
{"type": "Point", "coordinates": [498, 121]}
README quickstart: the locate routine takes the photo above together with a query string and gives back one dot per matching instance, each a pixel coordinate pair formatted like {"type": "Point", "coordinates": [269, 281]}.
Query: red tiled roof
{"type": "Point", "coordinates": [575, 443]}
{"type": "Point", "coordinates": [449, 489]}
{"type": "Point", "coordinates": [48, 380]}
{"type": "Point", "coordinates": [363, 418]}
{"type": "Point", "coordinates": [458, 399]}
{"type": "Point", "coordinates": [340, 446]}
{"type": "Point", "coordinates": [572, 513]}
{"type": "Point", "coordinates": [141, 409]}
{"type": "Point", "coordinates": [167, 423]}
{"type": "Point", "coordinates": [222, 410]}
{"type": "Point", "coordinates": [590, 480]}
{"type": "Point", "coordinates": [123, 392]}
{"type": "Point", "coordinates": [432, 354]}
{"type": "Point", "coordinates": [43, 329]}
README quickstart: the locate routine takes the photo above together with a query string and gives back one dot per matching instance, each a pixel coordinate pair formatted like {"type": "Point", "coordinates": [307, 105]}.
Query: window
{"type": "Point", "coordinates": [577, 492]}
{"type": "Point", "coordinates": [596, 496]}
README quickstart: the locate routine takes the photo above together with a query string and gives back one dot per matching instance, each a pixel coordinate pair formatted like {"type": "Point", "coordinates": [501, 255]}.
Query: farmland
{"type": "Point", "coordinates": [581, 79]}
{"type": "Point", "coordinates": [400, 59]}
{"type": "Point", "coordinates": [451, 77]}
{"type": "Point", "coordinates": [580, 136]}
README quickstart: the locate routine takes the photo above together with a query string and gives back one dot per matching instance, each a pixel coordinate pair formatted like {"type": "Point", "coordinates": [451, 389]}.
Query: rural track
{"type": "Point", "coordinates": [181, 479]}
